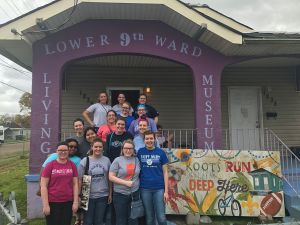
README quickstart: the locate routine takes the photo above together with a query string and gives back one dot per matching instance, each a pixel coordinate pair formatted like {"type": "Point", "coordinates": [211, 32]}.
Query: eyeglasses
{"type": "Point", "coordinates": [72, 146]}
{"type": "Point", "coordinates": [125, 107]}
{"type": "Point", "coordinates": [63, 151]}
{"type": "Point", "coordinates": [128, 148]}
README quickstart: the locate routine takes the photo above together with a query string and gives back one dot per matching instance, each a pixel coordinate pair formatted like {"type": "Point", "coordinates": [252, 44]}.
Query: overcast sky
{"type": "Point", "coordinates": [261, 15]}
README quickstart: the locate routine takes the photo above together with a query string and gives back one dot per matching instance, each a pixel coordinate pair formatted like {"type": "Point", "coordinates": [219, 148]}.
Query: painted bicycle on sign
{"type": "Point", "coordinates": [231, 202]}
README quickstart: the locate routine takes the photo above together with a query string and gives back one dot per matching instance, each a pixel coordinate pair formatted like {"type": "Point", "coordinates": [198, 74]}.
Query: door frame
{"type": "Point", "coordinates": [260, 111]}
{"type": "Point", "coordinates": [109, 88]}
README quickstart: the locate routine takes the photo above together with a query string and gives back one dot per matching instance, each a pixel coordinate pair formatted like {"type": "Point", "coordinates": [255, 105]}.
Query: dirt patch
{"type": "Point", "coordinates": [12, 149]}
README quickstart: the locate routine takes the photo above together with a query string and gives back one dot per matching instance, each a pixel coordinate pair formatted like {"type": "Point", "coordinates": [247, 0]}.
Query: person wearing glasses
{"type": "Point", "coordinates": [118, 107]}
{"type": "Point", "coordinates": [151, 112]}
{"type": "Point", "coordinates": [59, 188]}
{"type": "Point", "coordinates": [124, 173]}
{"type": "Point", "coordinates": [126, 115]}
{"type": "Point", "coordinates": [73, 146]}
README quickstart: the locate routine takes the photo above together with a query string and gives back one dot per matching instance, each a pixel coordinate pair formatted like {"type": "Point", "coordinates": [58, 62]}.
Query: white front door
{"type": "Point", "coordinates": [244, 118]}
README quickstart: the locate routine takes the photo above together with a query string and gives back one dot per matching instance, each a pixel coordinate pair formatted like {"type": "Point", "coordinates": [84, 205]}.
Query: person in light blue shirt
{"type": "Point", "coordinates": [72, 144]}
{"type": "Point", "coordinates": [139, 139]}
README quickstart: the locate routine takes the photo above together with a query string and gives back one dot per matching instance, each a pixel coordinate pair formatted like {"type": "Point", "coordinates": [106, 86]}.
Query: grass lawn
{"type": "Point", "coordinates": [12, 171]}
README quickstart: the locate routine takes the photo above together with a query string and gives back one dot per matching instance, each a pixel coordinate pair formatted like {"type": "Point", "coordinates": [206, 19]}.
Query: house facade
{"type": "Point", "coordinates": [207, 72]}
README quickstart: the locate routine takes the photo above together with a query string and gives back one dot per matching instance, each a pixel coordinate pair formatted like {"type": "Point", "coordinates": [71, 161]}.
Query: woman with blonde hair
{"type": "Point", "coordinates": [124, 173]}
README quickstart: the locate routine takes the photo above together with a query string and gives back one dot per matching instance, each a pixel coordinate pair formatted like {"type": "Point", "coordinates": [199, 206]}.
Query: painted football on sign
{"type": "Point", "coordinates": [271, 204]}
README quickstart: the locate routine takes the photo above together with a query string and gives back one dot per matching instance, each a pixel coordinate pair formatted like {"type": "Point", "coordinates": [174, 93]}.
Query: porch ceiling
{"type": "Point", "coordinates": [127, 61]}
{"type": "Point", "coordinates": [270, 62]}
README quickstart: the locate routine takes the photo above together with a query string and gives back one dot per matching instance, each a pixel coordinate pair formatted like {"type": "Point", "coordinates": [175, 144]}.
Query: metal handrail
{"type": "Point", "coordinates": [290, 163]}
{"type": "Point", "coordinates": [9, 209]}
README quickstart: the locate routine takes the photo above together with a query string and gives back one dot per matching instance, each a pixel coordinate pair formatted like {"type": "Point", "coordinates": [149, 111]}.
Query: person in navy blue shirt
{"type": "Point", "coordinates": [153, 180]}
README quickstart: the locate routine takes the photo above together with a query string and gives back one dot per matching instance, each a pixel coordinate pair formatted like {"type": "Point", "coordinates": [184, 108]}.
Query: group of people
{"type": "Point", "coordinates": [121, 152]}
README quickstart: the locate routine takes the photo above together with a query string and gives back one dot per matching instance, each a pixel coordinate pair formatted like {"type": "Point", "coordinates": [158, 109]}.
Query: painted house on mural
{"type": "Point", "coordinates": [207, 73]}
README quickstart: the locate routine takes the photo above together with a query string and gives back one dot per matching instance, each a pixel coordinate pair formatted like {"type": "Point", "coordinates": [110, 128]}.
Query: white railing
{"type": "Point", "coordinates": [290, 162]}
{"type": "Point", "coordinates": [8, 211]}
{"type": "Point", "coordinates": [239, 139]}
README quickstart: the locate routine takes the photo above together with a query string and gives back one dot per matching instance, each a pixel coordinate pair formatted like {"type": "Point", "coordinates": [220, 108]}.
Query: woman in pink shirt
{"type": "Point", "coordinates": [109, 127]}
{"type": "Point", "coordinates": [59, 188]}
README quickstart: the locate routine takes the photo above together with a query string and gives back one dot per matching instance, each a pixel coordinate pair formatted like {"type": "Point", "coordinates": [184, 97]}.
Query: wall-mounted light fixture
{"type": "Point", "coordinates": [148, 90]}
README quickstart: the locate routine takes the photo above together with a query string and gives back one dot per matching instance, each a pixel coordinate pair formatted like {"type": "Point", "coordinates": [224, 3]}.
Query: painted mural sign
{"type": "Point", "coordinates": [225, 182]}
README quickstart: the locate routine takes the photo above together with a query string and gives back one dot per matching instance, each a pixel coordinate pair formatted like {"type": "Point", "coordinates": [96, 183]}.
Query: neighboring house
{"type": "Point", "coordinates": [16, 132]}
{"type": "Point", "coordinates": [206, 71]}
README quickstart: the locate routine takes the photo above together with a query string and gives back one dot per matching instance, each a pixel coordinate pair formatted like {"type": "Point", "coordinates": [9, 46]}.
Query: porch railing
{"type": "Point", "coordinates": [239, 139]}
{"type": "Point", "coordinates": [290, 162]}
{"type": "Point", "coordinates": [8, 211]}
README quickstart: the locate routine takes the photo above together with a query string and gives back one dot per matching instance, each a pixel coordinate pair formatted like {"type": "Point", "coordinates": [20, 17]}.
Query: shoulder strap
{"type": "Point", "coordinates": [103, 107]}
{"type": "Point", "coordinates": [109, 143]}
{"type": "Point", "coordinates": [87, 166]}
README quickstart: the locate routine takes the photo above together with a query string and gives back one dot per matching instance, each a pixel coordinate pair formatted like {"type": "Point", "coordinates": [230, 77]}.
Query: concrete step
{"type": "Point", "coordinates": [292, 203]}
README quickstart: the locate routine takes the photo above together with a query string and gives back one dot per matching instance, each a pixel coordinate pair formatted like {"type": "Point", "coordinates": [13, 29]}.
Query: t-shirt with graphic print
{"type": "Point", "coordinates": [124, 169]}
{"type": "Point", "coordinates": [114, 144]}
{"type": "Point", "coordinates": [98, 169]}
{"type": "Point", "coordinates": [60, 186]}
{"type": "Point", "coordinates": [152, 161]}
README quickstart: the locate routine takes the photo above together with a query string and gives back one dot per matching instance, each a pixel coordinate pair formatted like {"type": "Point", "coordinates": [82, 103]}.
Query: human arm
{"type": "Point", "coordinates": [86, 116]}
{"type": "Point", "coordinates": [44, 195]}
{"type": "Point", "coordinates": [75, 195]}
{"type": "Point", "coordinates": [110, 186]}
{"type": "Point", "coordinates": [113, 178]}
{"type": "Point", "coordinates": [156, 119]}
{"type": "Point", "coordinates": [166, 178]}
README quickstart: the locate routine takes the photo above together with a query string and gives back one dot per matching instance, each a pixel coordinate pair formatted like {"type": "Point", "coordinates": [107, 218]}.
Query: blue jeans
{"type": "Point", "coordinates": [122, 204]}
{"type": "Point", "coordinates": [96, 211]}
{"type": "Point", "coordinates": [154, 204]}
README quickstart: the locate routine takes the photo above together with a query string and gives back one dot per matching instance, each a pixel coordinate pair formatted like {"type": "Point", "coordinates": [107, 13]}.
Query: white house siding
{"type": "Point", "coordinates": [281, 83]}
{"type": "Point", "coordinates": [171, 92]}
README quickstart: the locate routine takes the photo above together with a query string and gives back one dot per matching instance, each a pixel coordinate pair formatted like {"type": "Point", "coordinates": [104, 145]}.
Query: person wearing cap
{"type": "Point", "coordinates": [151, 112]}
{"type": "Point", "coordinates": [134, 126]}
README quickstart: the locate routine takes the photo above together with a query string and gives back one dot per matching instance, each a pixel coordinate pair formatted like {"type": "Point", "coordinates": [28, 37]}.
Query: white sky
{"type": "Point", "coordinates": [261, 15]}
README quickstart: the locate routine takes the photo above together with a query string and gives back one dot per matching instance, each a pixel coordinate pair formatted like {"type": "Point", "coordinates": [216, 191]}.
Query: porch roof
{"type": "Point", "coordinates": [201, 23]}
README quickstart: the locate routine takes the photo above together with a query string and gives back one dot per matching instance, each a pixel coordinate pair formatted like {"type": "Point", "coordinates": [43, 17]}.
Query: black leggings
{"type": "Point", "coordinates": [60, 213]}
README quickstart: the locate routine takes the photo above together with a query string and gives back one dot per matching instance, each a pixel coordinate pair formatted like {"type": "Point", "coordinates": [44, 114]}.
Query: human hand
{"type": "Point", "coordinates": [166, 197]}
{"type": "Point", "coordinates": [75, 206]}
{"type": "Point", "coordinates": [109, 199]}
{"type": "Point", "coordinates": [129, 183]}
{"type": "Point", "coordinates": [46, 210]}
